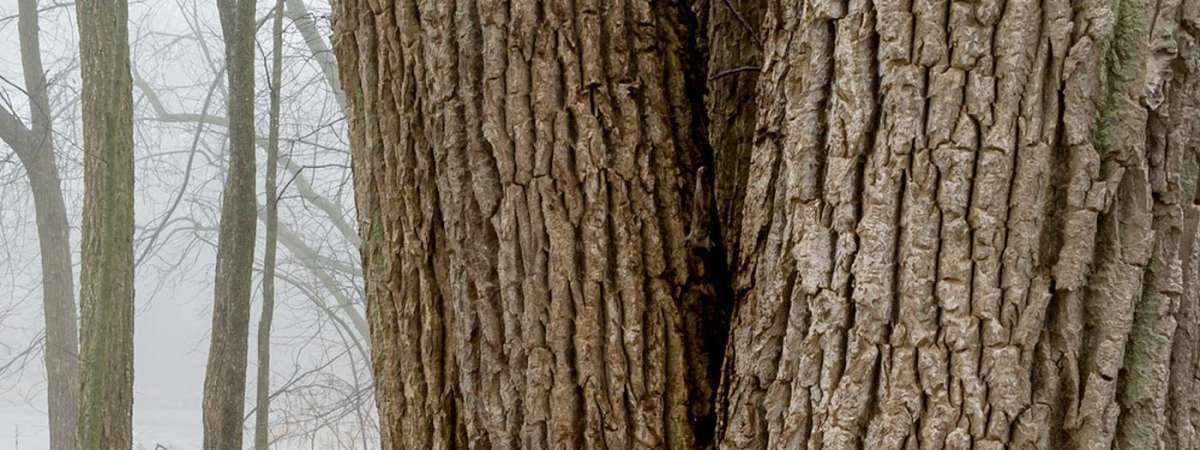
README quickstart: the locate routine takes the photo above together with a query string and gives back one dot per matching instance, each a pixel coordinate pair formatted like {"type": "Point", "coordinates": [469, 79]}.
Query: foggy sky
{"type": "Point", "coordinates": [174, 287]}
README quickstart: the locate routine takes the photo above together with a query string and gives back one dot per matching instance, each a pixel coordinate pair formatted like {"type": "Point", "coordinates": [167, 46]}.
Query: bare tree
{"type": "Point", "coordinates": [34, 146]}
{"type": "Point", "coordinates": [319, 289]}
{"type": "Point", "coordinates": [263, 391]}
{"type": "Point", "coordinates": [106, 294]}
{"type": "Point", "coordinates": [225, 379]}
{"type": "Point", "coordinates": [299, 13]}
{"type": "Point", "coordinates": [316, 242]}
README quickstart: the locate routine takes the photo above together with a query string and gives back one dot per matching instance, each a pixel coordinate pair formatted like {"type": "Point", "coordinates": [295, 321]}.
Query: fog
{"type": "Point", "coordinates": [320, 377]}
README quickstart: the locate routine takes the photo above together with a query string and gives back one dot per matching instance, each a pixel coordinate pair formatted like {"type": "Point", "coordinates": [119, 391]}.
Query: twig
{"type": "Point", "coordinates": [735, 70]}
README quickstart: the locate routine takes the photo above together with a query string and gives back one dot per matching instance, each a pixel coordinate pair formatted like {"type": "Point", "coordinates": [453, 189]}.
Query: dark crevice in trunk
{"type": "Point", "coordinates": [707, 244]}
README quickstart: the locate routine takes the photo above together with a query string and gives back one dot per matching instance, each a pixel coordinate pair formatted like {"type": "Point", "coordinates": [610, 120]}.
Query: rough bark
{"type": "Point", "coordinates": [967, 226]}
{"type": "Point", "coordinates": [225, 378]}
{"type": "Point", "coordinates": [949, 224]}
{"type": "Point", "coordinates": [535, 223]}
{"type": "Point", "coordinates": [106, 275]}
{"type": "Point", "coordinates": [34, 146]}
{"type": "Point", "coordinates": [262, 412]}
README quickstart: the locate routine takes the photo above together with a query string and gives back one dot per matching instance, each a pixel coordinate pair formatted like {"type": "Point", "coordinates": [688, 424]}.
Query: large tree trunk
{"type": "Point", "coordinates": [106, 276]}
{"type": "Point", "coordinates": [34, 146]}
{"type": "Point", "coordinates": [949, 224]}
{"type": "Point", "coordinates": [967, 227]}
{"type": "Point", "coordinates": [225, 377]}
{"type": "Point", "coordinates": [535, 233]}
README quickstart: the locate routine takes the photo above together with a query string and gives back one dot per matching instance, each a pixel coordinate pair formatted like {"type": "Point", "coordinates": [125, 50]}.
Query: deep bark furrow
{"type": "Point", "coordinates": [1146, 377]}
{"type": "Point", "coordinates": [734, 57]}
{"type": "Point", "coordinates": [941, 224]}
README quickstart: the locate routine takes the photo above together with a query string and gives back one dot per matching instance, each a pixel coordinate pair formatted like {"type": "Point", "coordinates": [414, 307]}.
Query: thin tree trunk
{"type": "Point", "coordinates": [536, 232]}
{"type": "Point", "coordinates": [106, 280]}
{"type": "Point", "coordinates": [225, 378]}
{"type": "Point", "coordinates": [58, 286]}
{"type": "Point", "coordinates": [34, 146]}
{"type": "Point", "coordinates": [262, 414]}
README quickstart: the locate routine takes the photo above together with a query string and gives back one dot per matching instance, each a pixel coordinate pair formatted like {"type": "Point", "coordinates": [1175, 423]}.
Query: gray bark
{"type": "Point", "coordinates": [34, 146]}
{"type": "Point", "coordinates": [107, 292]}
{"type": "Point", "coordinates": [262, 413]}
{"type": "Point", "coordinates": [225, 377]}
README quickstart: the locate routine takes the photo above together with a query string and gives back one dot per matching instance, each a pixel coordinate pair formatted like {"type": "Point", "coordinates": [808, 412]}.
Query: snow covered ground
{"type": "Point", "coordinates": [24, 428]}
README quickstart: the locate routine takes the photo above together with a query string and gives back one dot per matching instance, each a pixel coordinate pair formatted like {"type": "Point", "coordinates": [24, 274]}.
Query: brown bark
{"type": "Point", "coordinates": [949, 224]}
{"type": "Point", "coordinates": [965, 228]}
{"type": "Point", "coordinates": [106, 275]}
{"type": "Point", "coordinates": [535, 234]}
{"type": "Point", "coordinates": [225, 378]}
{"type": "Point", "coordinates": [34, 146]}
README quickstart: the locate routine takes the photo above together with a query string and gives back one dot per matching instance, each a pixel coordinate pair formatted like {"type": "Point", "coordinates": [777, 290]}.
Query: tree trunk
{"type": "Point", "coordinates": [535, 226]}
{"type": "Point", "coordinates": [969, 225]}
{"type": "Point", "coordinates": [262, 412]}
{"type": "Point", "coordinates": [106, 277]}
{"type": "Point", "coordinates": [58, 286]}
{"type": "Point", "coordinates": [34, 146]}
{"type": "Point", "coordinates": [225, 378]}
{"type": "Point", "coordinates": [949, 224]}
